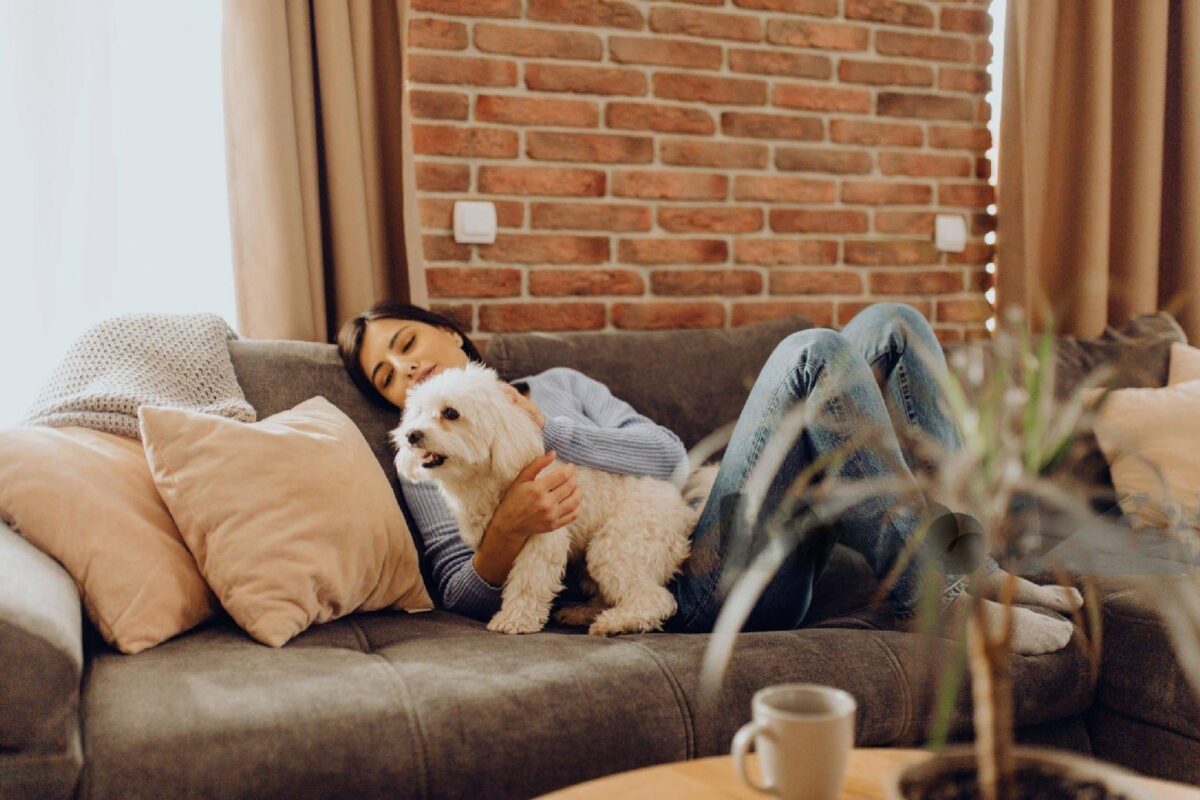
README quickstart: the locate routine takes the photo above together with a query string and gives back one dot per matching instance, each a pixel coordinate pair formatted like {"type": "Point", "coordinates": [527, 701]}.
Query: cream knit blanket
{"type": "Point", "coordinates": [179, 360]}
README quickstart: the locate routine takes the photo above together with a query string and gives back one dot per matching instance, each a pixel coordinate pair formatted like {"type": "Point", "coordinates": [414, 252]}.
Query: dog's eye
{"type": "Point", "coordinates": [450, 413]}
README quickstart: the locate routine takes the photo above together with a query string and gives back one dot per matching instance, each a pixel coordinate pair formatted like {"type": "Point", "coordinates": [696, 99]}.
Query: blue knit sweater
{"type": "Point", "coordinates": [585, 425]}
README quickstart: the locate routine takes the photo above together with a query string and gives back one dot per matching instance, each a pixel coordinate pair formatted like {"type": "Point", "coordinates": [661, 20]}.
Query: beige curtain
{"type": "Point", "coordinates": [1098, 188]}
{"type": "Point", "coordinates": [319, 181]}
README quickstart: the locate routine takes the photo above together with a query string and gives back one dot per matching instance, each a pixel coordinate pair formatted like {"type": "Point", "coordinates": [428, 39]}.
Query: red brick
{"type": "Point", "coordinates": [466, 142]}
{"type": "Point", "coordinates": [924, 165]}
{"type": "Point", "coordinates": [814, 220]}
{"type": "Point", "coordinates": [438, 105]}
{"type": "Point", "coordinates": [516, 110]}
{"type": "Point", "coordinates": [803, 190]}
{"type": "Point", "coordinates": [847, 309]}
{"type": "Point", "coordinates": [473, 282]}
{"type": "Point", "coordinates": [811, 159]}
{"type": "Point", "coordinates": [853, 131]}
{"type": "Point", "coordinates": [590, 216]}
{"type": "Point", "coordinates": [519, 40]}
{"type": "Point", "coordinates": [925, 106]}
{"type": "Point", "coordinates": [438, 34]}
{"type": "Point", "coordinates": [821, 35]}
{"type": "Point", "coordinates": [438, 212]}
{"type": "Point", "coordinates": [819, 312]}
{"type": "Point", "coordinates": [780, 252]}
{"type": "Point", "coordinates": [974, 309]}
{"type": "Point", "coordinates": [670, 185]}
{"type": "Point", "coordinates": [541, 180]}
{"type": "Point", "coordinates": [976, 253]}
{"type": "Point", "coordinates": [899, 252]}
{"type": "Point", "coordinates": [589, 80]}
{"type": "Point", "coordinates": [982, 223]}
{"type": "Point", "coordinates": [883, 73]}
{"type": "Point", "coordinates": [471, 8]}
{"type": "Point", "coordinates": [522, 248]}
{"type": "Point", "coordinates": [601, 13]}
{"type": "Point", "coordinates": [821, 98]}
{"type": "Point", "coordinates": [923, 46]}
{"type": "Point", "coordinates": [444, 248]}
{"type": "Point", "coordinates": [892, 12]}
{"type": "Point", "coordinates": [708, 24]}
{"type": "Point", "coordinates": [667, 315]}
{"type": "Point", "coordinates": [429, 68]}
{"type": "Point", "coordinates": [947, 335]}
{"type": "Point", "coordinates": [434, 177]}
{"type": "Point", "coordinates": [822, 8]}
{"type": "Point", "coordinates": [710, 219]}
{"type": "Point", "coordinates": [595, 147]}
{"type": "Point", "coordinates": [665, 119]}
{"type": "Point", "coordinates": [975, 81]}
{"type": "Point", "coordinates": [772, 126]}
{"type": "Point", "coordinates": [663, 52]}
{"type": "Point", "coordinates": [710, 89]}
{"type": "Point", "coordinates": [886, 193]}
{"type": "Point", "coordinates": [980, 280]}
{"type": "Point", "coordinates": [526, 316]}
{"type": "Point", "coordinates": [543, 282]}
{"type": "Point", "coordinates": [689, 153]}
{"type": "Point", "coordinates": [460, 313]}
{"type": "Point", "coordinates": [959, 137]}
{"type": "Point", "coordinates": [700, 282]}
{"type": "Point", "coordinates": [968, 194]}
{"type": "Point", "coordinates": [672, 251]}
{"type": "Point", "coordinates": [966, 20]}
{"type": "Point", "coordinates": [815, 281]}
{"type": "Point", "coordinates": [775, 62]}
{"type": "Point", "coordinates": [919, 222]}
{"type": "Point", "coordinates": [919, 282]}
{"type": "Point", "coordinates": [983, 53]}
{"type": "Point", "coordinates": [976, 334]}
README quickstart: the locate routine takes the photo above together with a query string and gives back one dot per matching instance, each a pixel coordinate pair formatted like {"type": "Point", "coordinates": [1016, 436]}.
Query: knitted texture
{"type": "Point", "coordinates": [119, 364]}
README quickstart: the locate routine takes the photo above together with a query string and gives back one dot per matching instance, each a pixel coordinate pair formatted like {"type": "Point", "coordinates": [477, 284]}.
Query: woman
{"type": "Point", "coordinates": [874, 377]}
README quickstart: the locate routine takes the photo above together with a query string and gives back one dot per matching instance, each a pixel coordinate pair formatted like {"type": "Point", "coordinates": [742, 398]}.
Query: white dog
{"type": "Point", "coordinates": [462, 430]}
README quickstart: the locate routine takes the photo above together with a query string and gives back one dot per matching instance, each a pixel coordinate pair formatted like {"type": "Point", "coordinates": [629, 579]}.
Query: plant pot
{"type": "Point", "coordinates": [1042, 773]}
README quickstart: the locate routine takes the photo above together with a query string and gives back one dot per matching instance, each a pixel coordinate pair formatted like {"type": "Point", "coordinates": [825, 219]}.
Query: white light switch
{"type": "Point", "coordinates": [474, 222]}
{"type": "Point", "coordinates": [950, 233]}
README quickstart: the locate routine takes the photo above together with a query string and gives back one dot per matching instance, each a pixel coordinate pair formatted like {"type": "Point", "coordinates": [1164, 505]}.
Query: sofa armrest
{"type": "Point", "coordinates": [41, 649]}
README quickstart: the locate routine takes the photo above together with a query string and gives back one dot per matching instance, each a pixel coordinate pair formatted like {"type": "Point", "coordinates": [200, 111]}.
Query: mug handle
{"type": "Point", "coordinates": [742, 742]}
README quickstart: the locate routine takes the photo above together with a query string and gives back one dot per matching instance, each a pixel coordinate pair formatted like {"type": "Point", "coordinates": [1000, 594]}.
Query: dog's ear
{"type": "Point", "coordinates": [521, 386]}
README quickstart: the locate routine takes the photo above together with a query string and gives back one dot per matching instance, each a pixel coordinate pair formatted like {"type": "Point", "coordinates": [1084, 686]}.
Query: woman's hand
{"type": "Point", "coordinates": [527, 405]}
{"type": "Point", "coordinates": [533, 505]}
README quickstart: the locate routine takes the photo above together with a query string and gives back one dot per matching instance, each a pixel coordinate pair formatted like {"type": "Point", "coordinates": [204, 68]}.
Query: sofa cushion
{"type": "Point", "coordinates": [691, 381]}
{"type": "Point", "coordinates": [433, 705]}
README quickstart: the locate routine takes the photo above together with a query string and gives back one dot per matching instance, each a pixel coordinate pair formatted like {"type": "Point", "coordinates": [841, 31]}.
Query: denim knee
{"type": "Point", "coordinates": [821, 345]}
{"type": "Point", "coordinates": [896, 318]}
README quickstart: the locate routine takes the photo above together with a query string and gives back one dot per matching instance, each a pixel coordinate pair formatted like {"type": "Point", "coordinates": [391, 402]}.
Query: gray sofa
{"type": "Point", "coordinates": [391, 705]}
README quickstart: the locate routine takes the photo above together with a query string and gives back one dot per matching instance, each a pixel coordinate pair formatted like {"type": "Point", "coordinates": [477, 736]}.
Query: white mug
{"type": "Point", "coordinates": [803, 733]}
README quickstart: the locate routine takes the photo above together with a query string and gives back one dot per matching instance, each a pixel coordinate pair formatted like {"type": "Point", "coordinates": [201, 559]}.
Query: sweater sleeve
{"type": "Point", "coordinates": [457, 585]}
{"type": "Point", "coordinates": [622, 440]}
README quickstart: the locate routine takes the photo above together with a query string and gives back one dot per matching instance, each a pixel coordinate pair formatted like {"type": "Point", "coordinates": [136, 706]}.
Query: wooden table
{"type": "Point", "coordinates": [715, 778]}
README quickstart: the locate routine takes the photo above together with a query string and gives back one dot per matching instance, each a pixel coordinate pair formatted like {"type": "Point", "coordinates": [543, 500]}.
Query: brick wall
{"type": "Point", "coordinates": [703, 163]}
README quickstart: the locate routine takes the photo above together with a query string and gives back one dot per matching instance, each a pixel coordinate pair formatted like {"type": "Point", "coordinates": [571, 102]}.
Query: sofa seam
{"type": "Point", "coordinates": [685, 712]}
{"type": "Point", "coordinates": [401, 688]}
{"type": "Point", "coordinates": [898, 671]}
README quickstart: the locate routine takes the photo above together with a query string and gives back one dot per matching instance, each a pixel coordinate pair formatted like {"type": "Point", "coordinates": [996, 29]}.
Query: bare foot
{"type": "Point", "coordinates": [1033, 634]}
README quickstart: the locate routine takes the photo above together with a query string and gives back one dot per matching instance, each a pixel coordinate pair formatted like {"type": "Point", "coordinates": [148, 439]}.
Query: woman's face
{"type": "Point", "coordinates": [399, 353]}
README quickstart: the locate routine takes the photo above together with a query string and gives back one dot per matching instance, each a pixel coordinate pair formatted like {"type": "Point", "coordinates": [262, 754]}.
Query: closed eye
{"type": "Point", "coordinates": [407, 346]}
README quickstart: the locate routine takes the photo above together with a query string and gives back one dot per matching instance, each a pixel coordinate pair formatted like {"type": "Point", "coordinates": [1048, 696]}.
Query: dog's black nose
{"type": "Point", "coordinates": [415, 437]}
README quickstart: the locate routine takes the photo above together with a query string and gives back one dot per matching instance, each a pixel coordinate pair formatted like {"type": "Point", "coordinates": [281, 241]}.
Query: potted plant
{"type": "Point", "coordinates": [1013, 473]}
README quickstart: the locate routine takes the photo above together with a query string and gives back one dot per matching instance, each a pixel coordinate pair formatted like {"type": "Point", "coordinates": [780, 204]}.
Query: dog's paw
{"type": "Point", "coordinates": [614, 621]}
{"type": "Point", "coordinates": [507, 621]}
{"type": "Point", "coordinates": [577, 615]}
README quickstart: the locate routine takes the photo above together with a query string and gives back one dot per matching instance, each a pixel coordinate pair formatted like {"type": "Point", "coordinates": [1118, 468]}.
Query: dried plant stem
{"type": "Point", "coordinates": [991, 691]}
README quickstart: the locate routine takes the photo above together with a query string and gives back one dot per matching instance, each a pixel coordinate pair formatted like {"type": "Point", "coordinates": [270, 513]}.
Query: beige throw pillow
{"type": "Point", "coordinates": [290, 519]}
{"type": "Point", "coordinates": [1185, 364]}
{"type": "Point", "coordinates": [1150, 438]}
{"type": "Point", "coordinates": [86, 498]}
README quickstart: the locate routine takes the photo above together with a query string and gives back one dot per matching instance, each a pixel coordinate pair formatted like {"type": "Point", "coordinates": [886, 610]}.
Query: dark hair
{"type": "Point", "coordinates": [350, 336]}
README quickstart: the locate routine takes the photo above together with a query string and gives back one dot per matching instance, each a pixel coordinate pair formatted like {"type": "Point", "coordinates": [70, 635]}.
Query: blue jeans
{"type": "Point", "coordinates": [875, 378]}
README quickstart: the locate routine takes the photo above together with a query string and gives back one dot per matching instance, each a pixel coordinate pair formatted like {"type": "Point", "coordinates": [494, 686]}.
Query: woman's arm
{"type": "Point", "coordinates": [622, 439]}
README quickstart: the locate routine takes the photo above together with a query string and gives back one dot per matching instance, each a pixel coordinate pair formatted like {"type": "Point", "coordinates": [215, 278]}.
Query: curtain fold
{"type": "Point", "coordinates": [322, 211]}
{"type": "Point", "coordinates": [1097, 182]}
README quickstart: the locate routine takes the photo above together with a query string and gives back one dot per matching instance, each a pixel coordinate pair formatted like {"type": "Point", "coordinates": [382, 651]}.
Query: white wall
{"type": "Point", "coordinates": [112, 174]}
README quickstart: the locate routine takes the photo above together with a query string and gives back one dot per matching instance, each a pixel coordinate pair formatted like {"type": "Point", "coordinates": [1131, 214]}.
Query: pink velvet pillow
{"type": "Point", "coordinates": [86, 498]}
{"type": "Point", "coordinates": [290, 519]}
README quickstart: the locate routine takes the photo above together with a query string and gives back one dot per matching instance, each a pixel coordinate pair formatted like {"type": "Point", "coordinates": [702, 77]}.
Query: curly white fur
{"type": "Point", "coordinates": [632, 532]}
